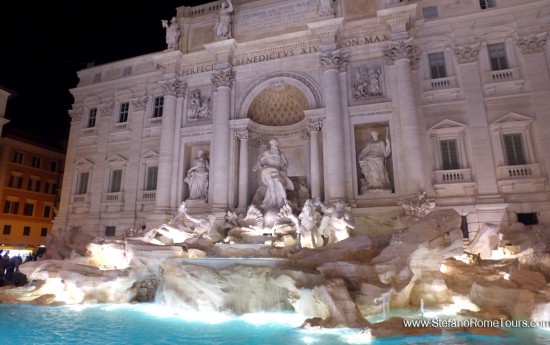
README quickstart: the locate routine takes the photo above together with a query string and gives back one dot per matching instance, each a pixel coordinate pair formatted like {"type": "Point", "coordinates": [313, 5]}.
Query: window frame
{"type": "Point", "coordinates": [498, 56]}
{"type": "Point", "coordinates": [18, 157]}
{"type": "Point", "coordinates": [82, 187]}
{"type": "Point", "coordinates": [28, 209]}
{"type": "Point", "coordinates": [158, 106]}
{"type": "Point", "coordinates": [11, 207]}
{"type": "Point", "coordinates": [91, 120]}
{"type": "Point", "coordinates": [148, 180]}
{"type": "Point", "coordinates": [485, 4]}
{"type": "Point", "coordinates": [440, 65]}
{"type": "Point", "coordinates": [123, 112]}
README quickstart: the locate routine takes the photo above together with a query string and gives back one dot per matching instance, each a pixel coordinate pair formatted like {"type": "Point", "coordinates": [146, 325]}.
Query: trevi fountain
{"type": "Point", "coordinates": [312, 260]}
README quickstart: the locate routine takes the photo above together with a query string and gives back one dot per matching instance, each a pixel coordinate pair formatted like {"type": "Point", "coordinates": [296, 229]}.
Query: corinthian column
{"type": "Point", "coordinates": [219, 157]}
{"type": "Point", "coordinates": [315, 163]}
{"type": "Point", "coordinates": [333, 63]}
{"type": "Point", "coordinates": [172, 90]}
{"type": "Point", "coordinates": [405, 55]}
{"type": "Point", "coordinates": [242, 135]}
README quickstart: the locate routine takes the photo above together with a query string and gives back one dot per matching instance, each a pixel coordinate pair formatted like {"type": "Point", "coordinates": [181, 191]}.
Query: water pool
{"type": "Point", "coordinates": [152, 324]}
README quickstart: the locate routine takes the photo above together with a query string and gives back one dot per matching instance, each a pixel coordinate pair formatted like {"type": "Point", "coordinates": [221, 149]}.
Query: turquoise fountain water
{"type": "Point", "coordinates": [153, 324]}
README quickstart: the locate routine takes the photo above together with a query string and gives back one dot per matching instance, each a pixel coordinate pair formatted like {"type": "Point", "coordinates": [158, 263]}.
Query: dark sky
{"type": "Point", "coordinates": [44, 43]}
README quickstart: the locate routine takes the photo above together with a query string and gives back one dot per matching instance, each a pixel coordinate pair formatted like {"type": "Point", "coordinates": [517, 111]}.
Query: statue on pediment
{"type": "Point", "coordinates": [224, 22]}
{"type": "Point", "coordinates": [172, 33]}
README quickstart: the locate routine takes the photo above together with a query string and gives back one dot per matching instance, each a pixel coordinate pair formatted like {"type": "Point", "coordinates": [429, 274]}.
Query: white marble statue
{"type": "Point", "coordinates": [197, 177]}
{"type": "Point", "coordinates": [337, 221]}
{"type": "Point", "coordinates": [305, 224]}
{"type": "Point", "coordinates": [204, 227]}
{"type": "Point", "coordinates": [199, 105]}
{"type": "Point", "coordinates": [273, 165]}
{"type": "Point", "coordinates": [372, 161]}
{"type": "Point", "coordinates": [223, 24]}
{"type": "Point", "coordinates": [172, 33]}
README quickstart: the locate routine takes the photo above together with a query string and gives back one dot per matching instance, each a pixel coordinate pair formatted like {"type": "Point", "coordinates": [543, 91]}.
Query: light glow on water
{"type": "Point", "coordinates": [107, 324]}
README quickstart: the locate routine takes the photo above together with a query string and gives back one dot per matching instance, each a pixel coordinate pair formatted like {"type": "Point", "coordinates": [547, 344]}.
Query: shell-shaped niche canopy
{"type": "Point", "coordinates": [279, 104]}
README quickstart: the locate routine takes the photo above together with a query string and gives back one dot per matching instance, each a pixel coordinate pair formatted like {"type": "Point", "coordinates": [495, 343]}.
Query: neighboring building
{"type": "Point", "coordinates": [30, 180]}
{"type": "Point", "coordinates": [5, 95]}
{"type": "Point", "coordinates": [460, 90]}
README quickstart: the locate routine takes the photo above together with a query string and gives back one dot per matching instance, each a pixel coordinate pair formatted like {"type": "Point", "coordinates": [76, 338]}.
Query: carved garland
{"type": "Point", "coordinates": [174, 87]}
{"type": "Point", "coordinates": [467, 54]}
{"type": "Point", "coordinates": [532, 43]}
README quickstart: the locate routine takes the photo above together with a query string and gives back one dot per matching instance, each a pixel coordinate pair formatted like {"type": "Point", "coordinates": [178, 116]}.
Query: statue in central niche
{"type": "Point", "coordinates": [273, 165]}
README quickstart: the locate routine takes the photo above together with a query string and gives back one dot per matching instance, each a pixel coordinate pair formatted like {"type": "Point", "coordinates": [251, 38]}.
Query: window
{"type": "Point", "coordinates": [123, 113]}
{"type": "Point", "coordinates": [513, 148]}
{"type": "Point", "coordinates": [26, 231]}
{"type": "Point", "coordinates": [497, 56]}
{"type": "Point", "coordinates": [7, 230]}
{"type": "Point", "coordinates": [449, 154]}
{"type": "Point", "coordinates": [33, 185]}
{"type": "Point", "coordinates": [115, 181]}
{"type": "Point", "coordinates": [430, 12]}
{"type": "Point", "coordinates": [97, 78]}
{"type": "Point", "coordinates": [43, 232]}
{"type": "Point", "coordinates": [47, 211]}
{"type": "Point", "coordinates": [158, 107]}
{"type": "Point", "coordinates": [151, 178]}
{"type": "Point", "coordinates": [92, 115]}
{"type": "Point", "coordinates": [53, 166]}
{"type": "Point", "coordinates": [486, 4]}
{"type": "Point", "coordinates": [50, 188]}
{"type": "Point", "coordinates": [17, 157]}
{"type": "Point", "coordinates": [16, 181]}
{"type": "Point", "coordinates": [28, 210]}
{"type": "Point", "coordinates": [82, 184]}
{"type": "Point", "coordinates": [127, 71]}
{"type": "Point", "coordinates": [110, 230]}
{"type": "Point", "coordinates": [11, 207]}
{"type": "Point", "coordinates": [36, 162]}
{"type": "Point", "coordinates": [437, 65]}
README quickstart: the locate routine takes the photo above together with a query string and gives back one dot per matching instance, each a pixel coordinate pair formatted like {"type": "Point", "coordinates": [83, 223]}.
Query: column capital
{"type": "Point", "coordinates": [467, 54]}
{"type": "Point", "coordinates": [533, 43]}
{"type": "Point", "coordinates": [402, 50]}
{"type": "Point", "coordinates": [334, 60]}
{"type": "Point", "coordinates": [174, 87]}
{"type": "Point", "coordinates": [224, 77]}
{"type": "Point", "coordinates": [241, 134]}
{"type": "Point", "coordinates": [314, 126]}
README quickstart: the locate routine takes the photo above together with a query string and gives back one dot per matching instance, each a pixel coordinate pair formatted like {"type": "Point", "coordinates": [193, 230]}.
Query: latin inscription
{"type": "Point", "coordinates": [291, 14]}
{"type": "Point", "coordinates": [198, 69]}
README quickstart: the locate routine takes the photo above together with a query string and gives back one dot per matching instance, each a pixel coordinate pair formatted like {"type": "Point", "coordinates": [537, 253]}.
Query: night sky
{"type": "Point", "coordinates": [44, 43]}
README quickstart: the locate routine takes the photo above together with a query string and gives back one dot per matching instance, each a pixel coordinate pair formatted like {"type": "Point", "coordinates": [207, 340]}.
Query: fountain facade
{"type": "Point", "coordinates": [286, 169]}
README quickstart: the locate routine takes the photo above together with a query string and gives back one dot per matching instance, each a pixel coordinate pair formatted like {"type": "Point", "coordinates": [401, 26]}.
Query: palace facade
{"type": "Point", "coordinates": [459, 91]}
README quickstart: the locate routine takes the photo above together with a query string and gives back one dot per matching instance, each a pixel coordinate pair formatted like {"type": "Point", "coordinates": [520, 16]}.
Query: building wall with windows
{"type": "Point", "coordinates": [30, 182]}
{"type": "Point", "coordinates": [461, 89]}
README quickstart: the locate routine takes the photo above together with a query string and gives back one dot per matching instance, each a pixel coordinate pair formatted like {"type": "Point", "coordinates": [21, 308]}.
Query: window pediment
{"type": "Point", "coordinates": [447, 127]}
{"type": "Point", "coordinates": [511, 120]}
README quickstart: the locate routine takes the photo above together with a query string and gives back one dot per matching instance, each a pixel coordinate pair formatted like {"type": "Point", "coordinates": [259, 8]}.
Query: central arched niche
{"type": "Point", "coordinates": [279, 104]}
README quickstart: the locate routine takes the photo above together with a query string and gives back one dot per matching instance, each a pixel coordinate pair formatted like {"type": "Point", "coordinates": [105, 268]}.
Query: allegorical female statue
{"type": "Point", "coordinates": [223, 24]}
{"type": "Point", "coordinates": [372, 162]}
{"type": "Point", "coordinates": [197, 177]}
